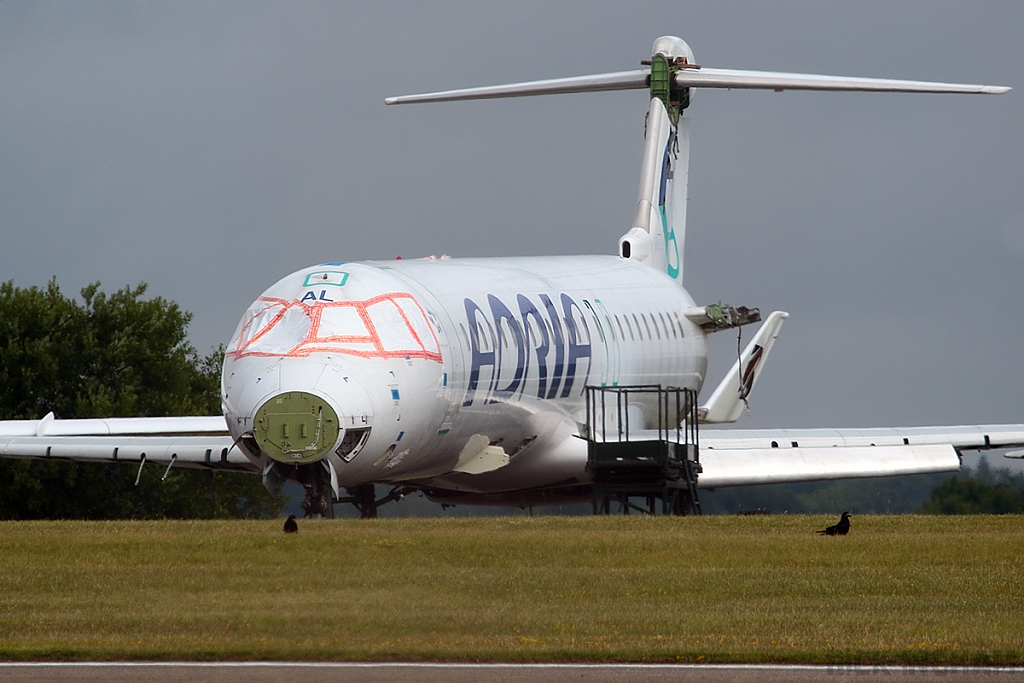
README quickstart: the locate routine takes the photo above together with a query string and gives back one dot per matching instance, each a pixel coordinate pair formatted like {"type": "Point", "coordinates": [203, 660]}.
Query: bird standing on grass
{"type": "Point", "coordinates": [840, 528]}
{"type": "Point", "coordinates": [290, 527]}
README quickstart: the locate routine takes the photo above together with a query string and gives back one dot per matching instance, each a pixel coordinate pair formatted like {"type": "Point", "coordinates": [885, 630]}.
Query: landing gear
{"type": "Point", "coordinates": [365, 500]}
{"type": "Point", "coordinates": [364, 497]}
{"type": "Point", "coordinates": [319, 500]}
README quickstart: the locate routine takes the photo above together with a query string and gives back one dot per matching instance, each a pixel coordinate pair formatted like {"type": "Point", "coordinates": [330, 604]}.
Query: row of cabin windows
{"type": "Point", "coordinates": [671, 326]}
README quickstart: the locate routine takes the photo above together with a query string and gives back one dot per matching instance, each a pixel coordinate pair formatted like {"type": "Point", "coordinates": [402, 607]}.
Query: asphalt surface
{"type": "Point", "coordinates": [498, 673]}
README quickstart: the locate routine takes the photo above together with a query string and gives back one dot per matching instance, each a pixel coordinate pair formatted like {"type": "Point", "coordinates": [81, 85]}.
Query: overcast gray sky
{"type": "Point", "coordinates": [209, 149]}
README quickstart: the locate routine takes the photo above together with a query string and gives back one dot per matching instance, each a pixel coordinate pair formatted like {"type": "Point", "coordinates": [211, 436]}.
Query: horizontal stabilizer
{"type": "Point", "coordinates": [622, 80]}
{"type": "Point", "coordinates": [729, 398]}
{"type": "Point", "coordinates": [773, 80]}
{"type": "Point", "coordinates": [694, 76]}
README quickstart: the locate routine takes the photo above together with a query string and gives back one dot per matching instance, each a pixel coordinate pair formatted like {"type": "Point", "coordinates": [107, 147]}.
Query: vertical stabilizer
{"type": "Point", "coordinates": [659, 226]}
{"type": "Point", "coordinates": [730, 397]}
{"type": "Point", "coordinates": [658, 232]}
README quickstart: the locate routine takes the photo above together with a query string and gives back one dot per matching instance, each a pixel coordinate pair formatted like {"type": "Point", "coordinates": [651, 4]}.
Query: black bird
{"type": "Point", "coordinates": [840, 528]}
{"type": "Point", "coordinates": [290, 527]}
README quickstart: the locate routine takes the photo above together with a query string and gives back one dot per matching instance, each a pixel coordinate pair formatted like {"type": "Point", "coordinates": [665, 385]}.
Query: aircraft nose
{"type": "Point", "coordinates": [296, 427]}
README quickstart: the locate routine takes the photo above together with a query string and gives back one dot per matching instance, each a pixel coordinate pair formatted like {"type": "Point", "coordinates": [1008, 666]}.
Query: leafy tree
{"type": "Point", "coordinates": [114, 355]}
{"type": "Point", "coordinates": [986, 491]}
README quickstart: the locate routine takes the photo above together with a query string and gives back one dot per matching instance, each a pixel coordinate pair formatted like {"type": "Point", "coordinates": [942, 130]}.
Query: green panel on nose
{"type": "Point", "coordinates": [296, 427]}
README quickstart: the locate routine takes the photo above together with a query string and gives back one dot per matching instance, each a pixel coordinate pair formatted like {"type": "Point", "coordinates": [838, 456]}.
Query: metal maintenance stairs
{"type": "Point", "coordinates": [628, 461]}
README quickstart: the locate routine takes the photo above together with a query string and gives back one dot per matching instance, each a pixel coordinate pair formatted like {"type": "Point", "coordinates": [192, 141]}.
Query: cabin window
{"type": "Point", "coordinates": [465, 336]}
{"type": "Point", "coordinates": [582, 330]}
{"type": "Point", "coordinates": [534, 335]}
{"type": "Point", "coordinates": [664, 325]}
{"type": "Point", "coordinates": [561, 330]}
{"type": "Point", "coordinates": [611, 328]}
{"type": "Point", "coordinates": [629, 326]}
{"type": "Point", "coordinates": [622, 332]}
{"type": "Point", "coordinates": [639, 330]}
{"type": "Point", "coordinates": [671, 325]}
{"type": "Point", "coordinates": [647, 325]}
{"type": "Point", "coordinates": [597, 324]}
{"type": "Point", "coordinates": [490, 328]}
{"type": "Point", "coordinates": [485, 337]}
{"type": "Point", "coordinates": [679, 323]}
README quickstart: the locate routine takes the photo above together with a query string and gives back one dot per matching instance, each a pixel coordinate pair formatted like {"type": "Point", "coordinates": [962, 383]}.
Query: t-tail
{"type": "Point", "coordinates": [659, 226]}
{"type": "Point", "coordinates": [658, 233]}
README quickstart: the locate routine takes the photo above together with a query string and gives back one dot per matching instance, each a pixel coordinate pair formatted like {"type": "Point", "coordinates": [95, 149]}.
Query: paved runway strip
{"type": "Point", "coordinates": [260, 672]}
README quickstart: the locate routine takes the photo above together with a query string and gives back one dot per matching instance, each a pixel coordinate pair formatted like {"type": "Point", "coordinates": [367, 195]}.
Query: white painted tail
{"type": "Point", "coordinates": [658, 234]}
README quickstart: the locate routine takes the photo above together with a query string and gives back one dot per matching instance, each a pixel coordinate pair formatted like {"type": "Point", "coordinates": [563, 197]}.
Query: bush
{"type": "Point", "coordinates": [117, 355]}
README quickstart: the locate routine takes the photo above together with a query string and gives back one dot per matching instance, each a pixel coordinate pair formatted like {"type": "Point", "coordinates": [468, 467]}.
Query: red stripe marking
{"type": "Point", "coordinates": [313, 343]}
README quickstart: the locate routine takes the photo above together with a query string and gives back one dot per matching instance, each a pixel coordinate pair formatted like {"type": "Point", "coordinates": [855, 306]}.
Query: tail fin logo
{"type": "Point", "coordinates": [747, 381]}
{"type": "Point", "coordinates": [667, 174]}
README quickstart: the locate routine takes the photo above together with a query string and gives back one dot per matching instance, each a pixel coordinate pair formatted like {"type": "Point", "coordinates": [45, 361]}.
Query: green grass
{"type": "Point", "coordinates": [900, 589]}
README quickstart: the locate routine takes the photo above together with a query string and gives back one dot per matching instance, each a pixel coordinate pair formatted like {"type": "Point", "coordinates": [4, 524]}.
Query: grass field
{"type": "Point", "coordinates": [898, 589]}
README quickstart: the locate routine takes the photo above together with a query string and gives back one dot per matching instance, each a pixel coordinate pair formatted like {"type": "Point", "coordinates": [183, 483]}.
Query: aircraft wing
{"type": "Point", "coordinates": [737, 457]}
{"type": "Point", "coordinates": [202, 442]}
{"type": "Point", "coordinates": [733, 457]}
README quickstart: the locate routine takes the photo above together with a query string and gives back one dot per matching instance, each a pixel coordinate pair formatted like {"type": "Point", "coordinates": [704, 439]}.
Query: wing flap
{"type": "Point", "coordinates": [960, 437]}
{"type": "Point", "coordinates": [740, 467]}
{"type": "Point", "coordinates": [739, 457]}
{"type": "Point", "coordinates": [162, 426]}
{"type": "Point", "coordinates": [186, 451]}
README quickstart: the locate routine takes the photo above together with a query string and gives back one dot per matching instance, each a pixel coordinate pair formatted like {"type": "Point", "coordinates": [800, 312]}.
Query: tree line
{"type": "Point", "coordinates": [984, 491]}
{"type": "Point", "coordinates": [108, 355]}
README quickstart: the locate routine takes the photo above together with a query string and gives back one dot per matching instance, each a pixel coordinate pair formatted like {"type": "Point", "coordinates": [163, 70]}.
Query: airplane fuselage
{"type": "Point", "coordinates": [416, 361]}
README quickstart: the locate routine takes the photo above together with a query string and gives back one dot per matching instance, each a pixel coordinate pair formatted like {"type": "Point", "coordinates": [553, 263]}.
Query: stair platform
{"type": "Point", "coordinates": [628, 460]}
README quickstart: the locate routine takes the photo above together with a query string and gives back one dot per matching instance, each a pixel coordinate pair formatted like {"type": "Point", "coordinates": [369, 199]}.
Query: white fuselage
{"type": "Point", "coordinates": [420, 357]}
